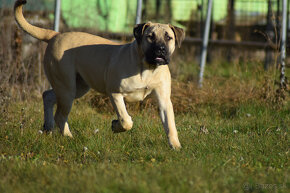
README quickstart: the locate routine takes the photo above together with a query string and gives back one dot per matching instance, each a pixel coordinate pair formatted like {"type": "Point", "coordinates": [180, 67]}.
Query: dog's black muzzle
{"type": "Point", "coordinates": [158, 55]}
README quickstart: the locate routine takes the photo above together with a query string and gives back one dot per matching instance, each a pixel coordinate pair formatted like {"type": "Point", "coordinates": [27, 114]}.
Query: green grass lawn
{"type": "Point", "coordinates": [246, 148]}
{"type": "Point", "coordinates": [245, 152]}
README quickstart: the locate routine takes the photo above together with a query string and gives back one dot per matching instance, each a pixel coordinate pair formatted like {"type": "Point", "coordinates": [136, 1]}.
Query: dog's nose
{"type": "Point", "coordinates": [161, 50]}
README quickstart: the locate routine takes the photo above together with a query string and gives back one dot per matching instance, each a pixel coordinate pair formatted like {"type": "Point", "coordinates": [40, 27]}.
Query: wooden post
{"type": "Point", "coordinates": [230, 29]}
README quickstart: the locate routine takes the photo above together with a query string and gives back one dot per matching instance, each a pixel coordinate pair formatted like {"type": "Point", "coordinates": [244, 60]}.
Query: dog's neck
{"type": "Point", "coordinates": [141, 62]}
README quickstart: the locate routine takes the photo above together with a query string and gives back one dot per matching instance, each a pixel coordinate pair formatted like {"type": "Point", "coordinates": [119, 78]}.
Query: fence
{"type": "Point", "coordinates": [239, 20]}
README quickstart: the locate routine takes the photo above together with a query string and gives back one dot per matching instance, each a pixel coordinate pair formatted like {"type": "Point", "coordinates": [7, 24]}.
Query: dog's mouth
{"type": "Point", "coordinates": [157, 60]}
{"type": "Point", "coordinates": [160, 60]}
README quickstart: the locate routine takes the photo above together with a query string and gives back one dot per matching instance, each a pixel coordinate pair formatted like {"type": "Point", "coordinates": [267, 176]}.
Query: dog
{"type": "Point", "coordinates": [74, 62]}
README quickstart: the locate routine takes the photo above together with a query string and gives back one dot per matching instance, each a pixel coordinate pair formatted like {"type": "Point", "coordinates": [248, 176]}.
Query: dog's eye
{"type": "Point", "coordinates": [167, 37]}
{"type": "Point", "coordinates": [151, 36]}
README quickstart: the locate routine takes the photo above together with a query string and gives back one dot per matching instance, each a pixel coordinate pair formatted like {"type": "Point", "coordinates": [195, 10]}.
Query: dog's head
{"type": "Point", "coordinates": [157, 41]}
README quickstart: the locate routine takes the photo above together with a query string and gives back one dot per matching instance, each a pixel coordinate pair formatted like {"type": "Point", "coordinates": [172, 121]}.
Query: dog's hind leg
{"type": "Point", "coordinates": [49, 100]}
{"type": "Point", "coordinates": [65, 99]}
{"type": "Point", "coordinates": [64, 104]}
{"type": "Point", "coordinates": [81, 86]}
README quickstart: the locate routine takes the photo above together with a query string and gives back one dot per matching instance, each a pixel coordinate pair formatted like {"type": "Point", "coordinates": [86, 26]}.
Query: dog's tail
{"type": "Point", "coordinates": [39, 33]}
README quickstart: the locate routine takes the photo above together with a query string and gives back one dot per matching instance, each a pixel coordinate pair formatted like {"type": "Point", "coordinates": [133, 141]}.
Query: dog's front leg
{"type": "Point", "coordinates": [167, 115]}
{"type": "Point", "coordinates": [124, 122]}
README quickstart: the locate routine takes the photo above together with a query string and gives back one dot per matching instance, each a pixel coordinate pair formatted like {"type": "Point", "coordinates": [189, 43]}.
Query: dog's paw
{"type": "Point", "coordinates": [66, 132]}
{"type": "Point", "coordinates": [174, 143]}
{"type": "Point", "coordinates": [45, 130]}
{"type": "Point", "coordinates": [116, 127]}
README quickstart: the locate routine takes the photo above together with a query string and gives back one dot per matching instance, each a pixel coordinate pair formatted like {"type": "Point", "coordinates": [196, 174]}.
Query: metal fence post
{"type": "Point", "coordinates": [270, 34]}
{"type": "Point", "coordinates": [283, 44]}
{"type": "Point", "coordinates": [57, 15]}
{"type": "Point", "coordinates": [205, 42]}
{"type": "Point", "coordinates": [139, 12]}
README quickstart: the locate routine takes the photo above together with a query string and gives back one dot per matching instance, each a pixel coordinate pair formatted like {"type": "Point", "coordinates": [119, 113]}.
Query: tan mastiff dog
{"type": "Point", "coordinates": [74, 62]}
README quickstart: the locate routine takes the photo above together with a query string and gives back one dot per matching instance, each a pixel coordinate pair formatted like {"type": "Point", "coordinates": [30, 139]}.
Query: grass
{"type": "Point", "coordinates": [246, 148]}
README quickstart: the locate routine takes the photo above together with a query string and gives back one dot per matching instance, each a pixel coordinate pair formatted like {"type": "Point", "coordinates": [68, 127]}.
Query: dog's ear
{"type": "Point", "coordinates": [139, 30]}
{"type": "Point", "coordinates": [179, 34]}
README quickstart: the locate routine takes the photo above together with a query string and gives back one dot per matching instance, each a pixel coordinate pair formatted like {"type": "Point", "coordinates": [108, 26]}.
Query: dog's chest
{"type": "Point", "coordinates": [137, 87]}
{"type": "Point", "coordinates": [137, 95]}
